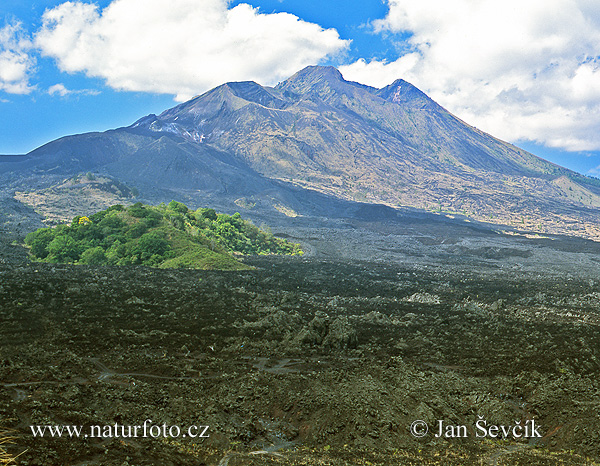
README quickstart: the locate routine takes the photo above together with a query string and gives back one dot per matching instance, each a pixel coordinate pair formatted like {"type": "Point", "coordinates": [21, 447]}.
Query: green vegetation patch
{"type": "Point", "coordinates": [159, 236]}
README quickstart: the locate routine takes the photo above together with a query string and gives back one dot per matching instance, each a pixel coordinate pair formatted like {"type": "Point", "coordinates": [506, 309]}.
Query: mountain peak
{"type": "Point", "coordinates": [319, 72]}
{"type": "Point", "coordinates": [404, 93]}
{"type": "Point", "coordinates": [312, 78]}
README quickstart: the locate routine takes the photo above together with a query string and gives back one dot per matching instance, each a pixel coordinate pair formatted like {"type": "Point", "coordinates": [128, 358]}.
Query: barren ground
{"type": "Point", "coordinates": [304, 361]}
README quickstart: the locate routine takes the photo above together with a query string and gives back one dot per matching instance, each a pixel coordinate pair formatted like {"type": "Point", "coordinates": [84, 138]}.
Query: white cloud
{"type": "Point", "coordinates": [181, 47]}
{"type": "Point", "coordinates": [59, 89]}
{"type": "Point", "coordinates": [15, 63]}
{"type": "Point", "coordinates": [519, 70]}
{"type": "Point", "coordinates": [62, 91]}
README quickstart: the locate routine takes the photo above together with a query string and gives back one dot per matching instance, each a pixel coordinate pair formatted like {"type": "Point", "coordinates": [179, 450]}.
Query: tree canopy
{"type": "Point", "coordinates": [161, 236]}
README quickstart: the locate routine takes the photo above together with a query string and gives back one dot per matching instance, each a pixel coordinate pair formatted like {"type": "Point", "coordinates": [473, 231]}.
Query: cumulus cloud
{"type": "Point", "coordinates": [519, 70]}
{"type": "Point", "coordinates": [61, 90]}
{"type": "Point", "coordinates": [16, 65]}
{"type": "Point", "coordinates": [180, 47]}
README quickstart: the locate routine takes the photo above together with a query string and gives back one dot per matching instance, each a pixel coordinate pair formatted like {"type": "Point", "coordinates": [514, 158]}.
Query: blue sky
{"type": "Point", "coordinates": [526, 72]}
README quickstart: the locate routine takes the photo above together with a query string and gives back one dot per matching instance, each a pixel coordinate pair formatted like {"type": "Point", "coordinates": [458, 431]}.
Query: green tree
{"type": "Point", "coordinates": [111, 223]}
{"type": "Point", "coordinates": [39, 241]}
{"type": "Point", "coordinates": [151, 244]}
{"type": "Point", "coordinates": [136, 230]}
{"type": "Point", "coordinates": [177, 220]}
{"type": "Point", "coordinates": [93, 256]}
{"type": "Point", "coordinates": [63, 249]}
{"type": "Point", "coordinates": [138, 210]}
{"type": "Point", "coordinates": [116, 252]}
{"type": "Point", "coordinates": [177, 207]}
{"type": "Point", "coordinates": [209, 214]}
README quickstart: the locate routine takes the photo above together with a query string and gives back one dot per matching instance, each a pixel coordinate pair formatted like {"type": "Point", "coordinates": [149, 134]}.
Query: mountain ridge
{"type": "Point", "coordinates": [317, 131]}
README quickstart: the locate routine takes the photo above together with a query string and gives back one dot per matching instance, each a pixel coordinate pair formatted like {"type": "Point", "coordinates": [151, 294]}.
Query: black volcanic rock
{"type": "Point", "coordinates": [316, 131]}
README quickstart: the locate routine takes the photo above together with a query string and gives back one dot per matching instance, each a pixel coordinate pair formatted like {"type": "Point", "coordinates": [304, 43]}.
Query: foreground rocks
{"type": "Point", "coordinates": [298, 362]}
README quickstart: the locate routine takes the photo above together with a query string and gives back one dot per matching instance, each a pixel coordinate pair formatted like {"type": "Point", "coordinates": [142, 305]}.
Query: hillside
{"type": "Point", "coordinates": [165, 236]}
{"type": "Point", "coordinates": [316, 134]}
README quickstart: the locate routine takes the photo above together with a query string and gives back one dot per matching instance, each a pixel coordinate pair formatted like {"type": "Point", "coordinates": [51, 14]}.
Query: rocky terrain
{"type": "Point", "coordinates": [322, 360]}
{"type": "Point", "coordinates": [66, 199]}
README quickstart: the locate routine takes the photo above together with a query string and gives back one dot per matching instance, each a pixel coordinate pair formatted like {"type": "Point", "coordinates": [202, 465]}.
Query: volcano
{"type": "Point", "coordinates": [315, 140]}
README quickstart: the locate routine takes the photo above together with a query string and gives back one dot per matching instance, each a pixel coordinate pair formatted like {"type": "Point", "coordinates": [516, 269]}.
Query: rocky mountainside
{"type": "Point", "coordinates": [317, 139]}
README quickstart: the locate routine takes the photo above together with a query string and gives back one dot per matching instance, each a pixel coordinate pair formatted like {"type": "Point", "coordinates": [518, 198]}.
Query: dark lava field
{"type": "Point", "coordinates": [327, 359]}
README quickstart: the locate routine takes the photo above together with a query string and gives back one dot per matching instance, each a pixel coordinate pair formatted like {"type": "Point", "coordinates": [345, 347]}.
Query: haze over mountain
{"type": "Point", "coordinates": [315, 138]}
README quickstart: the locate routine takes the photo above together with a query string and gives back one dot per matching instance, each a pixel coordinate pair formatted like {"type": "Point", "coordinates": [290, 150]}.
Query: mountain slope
{"type": "Point", "coordinates": [317, 131]}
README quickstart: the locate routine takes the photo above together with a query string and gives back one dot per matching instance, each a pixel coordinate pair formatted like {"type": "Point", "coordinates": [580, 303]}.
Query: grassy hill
{"type": "Point", "coordinates": [159, 236]}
